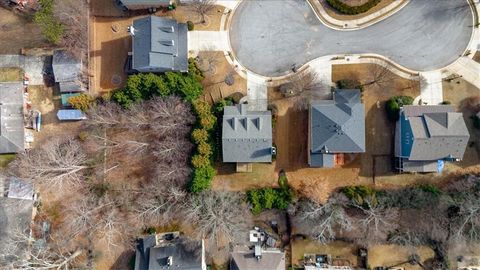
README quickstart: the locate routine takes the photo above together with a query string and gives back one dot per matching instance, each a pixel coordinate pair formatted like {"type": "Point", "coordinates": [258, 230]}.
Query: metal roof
{"type": "Point", "coordinates": [438, 133]}
{"type": "Point", "coordinates": [70, 115]}
{"type": "Point", "coordinates": [12, 131]}
{"type": "Point", "coordinates": [338, 126]}
{"type": "Point", "coordinates": [246, 135]}
{"type": "Point", "coordinates": [159, 45]}
{"type": "Point", "coordinates": [66, 67]}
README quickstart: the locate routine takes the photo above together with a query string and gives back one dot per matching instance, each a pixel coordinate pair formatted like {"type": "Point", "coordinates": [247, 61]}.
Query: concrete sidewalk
{"type": "Point", "coordinates": [431, 90]}
{"type": "Point", "coordinates": [257, 95]}
{"type": "Point", "coordinates": [468, 69]}
{"type": "Point", "coordinates": [208, 41]}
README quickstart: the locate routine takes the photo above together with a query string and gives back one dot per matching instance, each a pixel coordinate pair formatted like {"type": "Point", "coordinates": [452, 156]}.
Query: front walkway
{"type": "Point", "coordinates": [431, 90]}
{"type": "Point", "coordinates": [256, 93]}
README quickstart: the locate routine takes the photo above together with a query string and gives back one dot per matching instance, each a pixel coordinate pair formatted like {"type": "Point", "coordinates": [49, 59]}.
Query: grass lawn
{"type": "Point", "coordinates": [11, 74]}
{"type": "Point", "coordinates": [5, 159]}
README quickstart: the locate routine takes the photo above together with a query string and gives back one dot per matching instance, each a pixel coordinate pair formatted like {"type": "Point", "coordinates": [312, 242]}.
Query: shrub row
{"type": "Point", "coordinates": [143, 86]}
{"type": "Point", "coordinates": [202, 136]}
{"type": "Point", "coordinates": [268, 198]}
{"type": "Point", "coordinates": [352, 10]}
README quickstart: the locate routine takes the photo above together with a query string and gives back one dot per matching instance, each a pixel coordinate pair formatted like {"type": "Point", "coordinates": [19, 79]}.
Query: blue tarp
{"type": "Point", "coordinates": [70, 115]}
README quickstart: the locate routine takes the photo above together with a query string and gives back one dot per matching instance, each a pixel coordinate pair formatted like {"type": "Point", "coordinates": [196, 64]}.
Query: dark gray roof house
{"type": "Point", "coordinates": [169, 251]}
{"type": "Point", "coordinates": [266, 259]}
{"type": "Point", "coordinates": [336, 126]}
{"type": "Point", "coordinates": [144, 4]}
{"type": "Point", "coordinates": [246, 135]}
{"type": "Point", "coordinates": [12, 132]}
{"type": "Point", "coordinates": [66, 67]}
{"type": "Point", "coordinates": [427, 136]}
{"type": "Point", "coordinates": [159, 45]}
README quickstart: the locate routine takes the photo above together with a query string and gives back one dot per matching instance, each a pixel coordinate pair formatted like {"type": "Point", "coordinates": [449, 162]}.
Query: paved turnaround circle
{"type": "Point", "coordinates": [269, 36]}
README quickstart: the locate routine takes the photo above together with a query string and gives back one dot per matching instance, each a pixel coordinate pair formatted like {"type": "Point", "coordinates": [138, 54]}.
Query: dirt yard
{"type": "Point", "coordinates": [17, 32]}
{"type": "Point", "coordinates": [342, 253]}
{"type": "Point", "coordinates": [393, 255]}
{"type": "Point", "coordinates": [184, 13]}
{"type": "Point", "coordinates": [459, 92]}
{"type": "Point", "coordinates": [47, 101]}
{"type": "Point", "coordinates": [262, 175]}
{"type": "Point", "coordinates": [216, 69]}
{"type": "Point", "coordinates": [335, 14]}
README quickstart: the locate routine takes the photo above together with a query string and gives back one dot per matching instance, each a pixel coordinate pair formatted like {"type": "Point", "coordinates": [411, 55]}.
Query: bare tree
{"type": "Point", "coordinates": [21, 251]}
{"type": "Point", "coordinates": [208, 60]}
{"type": "Point", "coordinates": [378, 219]}
{"type": "Point", "coordinates": [379, 75]}
{"type": "Point", "coordinates": [218, 217]}
{"type": "Point", "coordinates": [322, 221]}
{"type": "Point", "coordinates": [73, 16]}
{"type": "Point", "coordinates": [466, 222]}
{"type": "Point", "coordinates": [303, 88]}
{"type": "Point", "coordinates": [104, 115]}
{"type": "Point", "coordinates": [57, 164]}
{"type": "Point", "coordinates": [203, 7]}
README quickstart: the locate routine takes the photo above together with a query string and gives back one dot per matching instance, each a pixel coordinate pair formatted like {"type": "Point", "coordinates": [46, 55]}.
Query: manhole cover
{"type": "Point", "coordinates": [116, 79]}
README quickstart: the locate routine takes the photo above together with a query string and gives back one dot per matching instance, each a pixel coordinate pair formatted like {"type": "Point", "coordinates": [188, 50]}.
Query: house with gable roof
{"type": "Point", "coordinates": [335, 127]}
{"type": "Point", "coordinates": [159, 45]}
{"type": "Point", "coordinates": [12, 132]}
{"type": "Point", "coordinates": [246, 135]}
{"type": "Point", "coordinates": [427, 136]}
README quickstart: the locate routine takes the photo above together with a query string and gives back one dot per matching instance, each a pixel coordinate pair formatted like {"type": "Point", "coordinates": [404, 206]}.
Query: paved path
{"type": "Point", "coordinates": [256, 93]}
{"type": "Point", "coordinates": [208, 41]}
{"type": "Point", "coordinates": [431, 90]}
{"type": "Point", "coordinates": [269, 36]}
{"type": "Point", "coordinates": [34, 66]}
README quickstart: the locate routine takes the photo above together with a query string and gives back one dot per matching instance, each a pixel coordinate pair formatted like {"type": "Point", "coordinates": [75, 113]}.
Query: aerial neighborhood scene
{"type": "Point", "coordinates": [239, 134]}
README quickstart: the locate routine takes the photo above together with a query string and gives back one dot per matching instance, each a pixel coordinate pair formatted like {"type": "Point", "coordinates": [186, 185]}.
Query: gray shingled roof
{"type": "Point", "coordinates": [270, 260]}
{"type": "Point", "coordinates": [246, 135]}
{"type": "Point", "coordinates": [159, 45]}
{"type": "Point", "coordinates": [15, 214]}
{"type": "Point", "coordinates": [66, 67]}
{"type": "Point", "coordinates": [152, 257]}
{"type": "Point", "coordinates": [151, 3]}
{"type": "Point", "coordinates": [323, 160]}
{"type": "Point", "coordinates": [437, 134]}
{"type": "Point", "coordinates": [67, 87]}
{"type": "Point", "coordinates": [338, 126]}
{"type": "Point", "coordinates": [12, 132]}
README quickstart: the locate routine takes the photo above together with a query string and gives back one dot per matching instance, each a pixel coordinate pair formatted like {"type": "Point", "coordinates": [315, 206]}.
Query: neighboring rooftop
{"type": "Point", "coordinates": [169, 251]}
{"type": "Point", "coordinates": [12, 132]}
{"type": "Point", "coordinates": [336, 126]}
{"type": "Point", "coordinates": [159, 45]}
{"type": "Point", "coordinates": [427, 134]}
{"type": "Point", "coordinates": [245, 259]}
{"type": "Point", "coordinates": [144, 4]}
{"type": "Point", "coordinates": [246, 135]}
{"type": "Point", "coordinates": [66, 67]}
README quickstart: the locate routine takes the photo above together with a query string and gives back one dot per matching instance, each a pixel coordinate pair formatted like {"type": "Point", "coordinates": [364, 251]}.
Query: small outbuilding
{"type": "Point", "coordinates": [70, 115]}
{"type": "Point", "coordinates": [66, 67]}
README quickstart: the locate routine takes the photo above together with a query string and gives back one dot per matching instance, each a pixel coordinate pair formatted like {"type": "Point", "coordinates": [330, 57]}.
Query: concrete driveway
{"type": "Point", "coordinates": [269, 36]}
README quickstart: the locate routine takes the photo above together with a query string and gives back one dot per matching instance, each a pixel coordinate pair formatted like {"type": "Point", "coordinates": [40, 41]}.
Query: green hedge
{"type": "Point", "coordinates": [268, 198]}
{"type": "Point", "coordinates": [143, 86]}
{"type": "Point", "coordinates": [351, 10]}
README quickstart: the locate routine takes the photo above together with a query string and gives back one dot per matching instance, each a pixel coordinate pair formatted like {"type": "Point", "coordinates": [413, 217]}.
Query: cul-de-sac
{"type": "Point", "coordinates": [239, 134]}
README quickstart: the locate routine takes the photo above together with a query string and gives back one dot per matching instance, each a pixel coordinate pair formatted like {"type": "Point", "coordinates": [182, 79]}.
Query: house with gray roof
{"type": "Point", "coordinates": [159, 45]}
{"type": "Point", "coordinates": [12, 132]}
{"type": "Point", "coordinates": [144, 4]}
{"type": "Point", "coordinates": [336, 126]}
{"type": "Point", "coordinates": [66, 67]}
{"type": "Point", "coordinates": [427, 136]}
{"type": "Point", "coordinates": [246, 135]}
{"type": "Point", "coordinates": [265, 259]}
{"type": "Point", "coordinates": [169, 251]}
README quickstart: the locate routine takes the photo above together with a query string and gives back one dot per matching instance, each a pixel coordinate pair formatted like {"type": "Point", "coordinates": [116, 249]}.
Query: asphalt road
{"type": "Point", "coordinates": [269, 36]}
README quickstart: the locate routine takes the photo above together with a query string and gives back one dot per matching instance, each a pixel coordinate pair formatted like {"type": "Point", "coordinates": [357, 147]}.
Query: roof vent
{"type": "Point", "coordinates": [258, 123]}
{"type": "Point", "coordinates": [169, 42]}
{"type": "Point", "coordinates": [167, 29]}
